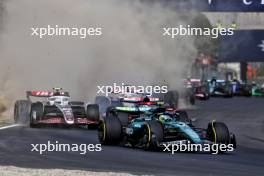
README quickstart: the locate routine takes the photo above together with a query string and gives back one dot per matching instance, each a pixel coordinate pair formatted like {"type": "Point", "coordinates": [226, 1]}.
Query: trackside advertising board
{"type": "Point", "coordinates": [244, 45]}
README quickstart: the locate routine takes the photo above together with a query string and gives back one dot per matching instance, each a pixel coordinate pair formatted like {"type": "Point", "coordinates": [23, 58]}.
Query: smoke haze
{"type": "Point", "coordinates": [130, 50]}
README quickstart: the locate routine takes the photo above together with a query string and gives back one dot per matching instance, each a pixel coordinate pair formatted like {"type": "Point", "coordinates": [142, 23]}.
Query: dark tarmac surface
{"type": "Point", "coordinates": [244, 117]}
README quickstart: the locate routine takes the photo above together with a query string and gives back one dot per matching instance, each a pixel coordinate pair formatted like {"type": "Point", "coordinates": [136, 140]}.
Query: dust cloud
{"type": "Point", "coordinates": [131, 50]}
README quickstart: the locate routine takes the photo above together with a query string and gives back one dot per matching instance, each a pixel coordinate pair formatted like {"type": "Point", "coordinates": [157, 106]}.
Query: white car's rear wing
{"type": "Point", "coordinates": [36, 93]}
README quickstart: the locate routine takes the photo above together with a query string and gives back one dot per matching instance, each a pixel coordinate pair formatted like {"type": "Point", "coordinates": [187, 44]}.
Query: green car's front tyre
{"type": "Point", "coordinates": [218, 133]}
{"type": "Point", "coordinates": [233, 140]}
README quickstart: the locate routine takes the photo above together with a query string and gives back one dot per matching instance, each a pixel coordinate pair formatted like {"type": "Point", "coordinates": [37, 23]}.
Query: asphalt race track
{"type": "Point", "coordinates": [244, 117]}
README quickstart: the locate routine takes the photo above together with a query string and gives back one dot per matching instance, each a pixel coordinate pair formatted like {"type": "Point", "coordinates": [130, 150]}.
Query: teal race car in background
{"type": "Point", "coordinates": [220, 88]}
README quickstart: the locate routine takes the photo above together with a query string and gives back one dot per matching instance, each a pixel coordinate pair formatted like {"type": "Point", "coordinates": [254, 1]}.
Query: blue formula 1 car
{"type": "Point", "coordinates": [220, 88]}
{"type": "Point", "coordinates": [159, 127]}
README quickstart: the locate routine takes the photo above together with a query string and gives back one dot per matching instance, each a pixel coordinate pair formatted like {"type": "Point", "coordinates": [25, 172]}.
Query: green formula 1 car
{"type": "Point", "coordinates": [257, 90]}
{"type": "Point", "coordinates": [161, 127]}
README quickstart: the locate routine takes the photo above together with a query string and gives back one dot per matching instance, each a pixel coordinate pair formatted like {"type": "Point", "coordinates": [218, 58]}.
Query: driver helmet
{"type": "Point", "coordinates": [51, 101]}
{"type": "Point", "coordinates": [164, 118]}
{"type": "Point", "coordinates": [57, 91]}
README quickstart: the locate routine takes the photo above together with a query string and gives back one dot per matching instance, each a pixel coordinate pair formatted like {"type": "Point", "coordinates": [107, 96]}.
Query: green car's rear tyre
{"type": "Point", "coordinates": [153, 134]}
{"type": "Point", "coordinates": [109, 130]}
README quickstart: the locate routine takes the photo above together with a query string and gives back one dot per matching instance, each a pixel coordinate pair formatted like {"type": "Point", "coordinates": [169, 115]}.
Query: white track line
{"type": "Point", "coordinates": [9, 126]}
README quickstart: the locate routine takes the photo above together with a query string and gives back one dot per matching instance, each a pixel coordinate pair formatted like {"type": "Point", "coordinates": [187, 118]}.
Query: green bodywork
{"type": "Point", "coordinates": [139, 108]}
{"type": "Point", "coordinates": [257, 91]}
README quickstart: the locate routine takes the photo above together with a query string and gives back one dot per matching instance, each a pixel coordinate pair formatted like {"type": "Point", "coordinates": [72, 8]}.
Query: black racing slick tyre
{"type": "Point", "coordinates": [233, 140]}
{"type": "Point", "coordinates": [218, 133]}
{"type": "Point", "coordinates": [92, 111]}
{"type": "Point", "coordinates": [110, 131]}
{"type": "Point", "coordinates": [229, 93]}
{"type": "Point", "coordinates": [207, 96]}
{"type": "Point", "coordinates": [192, 99]}
{"type": "Point", "coordinates": [154, 135]}
{"type": "Point", "coordinates": [22, 111]}
{"type": "Point", "coordinates": [36, 113]}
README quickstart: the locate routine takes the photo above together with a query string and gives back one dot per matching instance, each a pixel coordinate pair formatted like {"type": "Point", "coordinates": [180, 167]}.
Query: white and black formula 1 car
{"type": "Point", "coordinates": [57, 109]}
